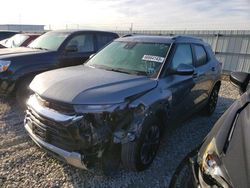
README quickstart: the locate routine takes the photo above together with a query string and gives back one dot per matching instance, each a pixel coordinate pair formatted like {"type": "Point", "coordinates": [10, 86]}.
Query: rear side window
{"type": "Point", "coordinates": [201, 55]}
{"type": "Point", "coordinates": [103, 40]}
{"type": "Point", "coordinates": [183, 55]}
{"type": "Point", "coordinates": [83, 42]}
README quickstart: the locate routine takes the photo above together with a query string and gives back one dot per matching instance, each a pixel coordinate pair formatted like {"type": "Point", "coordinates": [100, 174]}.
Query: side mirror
{"type": "Point", "coordinates": [92, 55]}
{"type": "Point", "coordinates": [240, 79]}
{"type": "Point", "coordinates": [184, 69]}
{"type": "Point", "coordinates": [71, 48]}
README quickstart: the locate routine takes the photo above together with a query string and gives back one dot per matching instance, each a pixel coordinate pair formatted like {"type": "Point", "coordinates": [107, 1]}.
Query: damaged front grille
{"type": "Point", "coordinates": [52, 132]}
{"type": "Point", "coordinates": [87, 133]}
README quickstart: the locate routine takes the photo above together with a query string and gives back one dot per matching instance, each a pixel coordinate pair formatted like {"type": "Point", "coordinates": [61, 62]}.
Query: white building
{"type": "Point", "coordinates": [22, 28]}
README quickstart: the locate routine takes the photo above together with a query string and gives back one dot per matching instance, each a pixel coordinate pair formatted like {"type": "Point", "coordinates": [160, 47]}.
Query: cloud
{"type": "Point", "coordinates": [144, 14]}
{"type": "Point", "coordinates": [182, 12]}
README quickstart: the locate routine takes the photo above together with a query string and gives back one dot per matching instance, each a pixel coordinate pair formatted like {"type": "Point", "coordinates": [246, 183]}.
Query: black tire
{"type": "Point", "coordinates": [139, 154]}
{"type": "Point", "coordinates": [184, 179]}
{"type": "Point", "coordinates": [23, 92]}
{"type": "Point", "coordinates": [212, 101]}
{"type": "Point", "coordinates": [111, 160]}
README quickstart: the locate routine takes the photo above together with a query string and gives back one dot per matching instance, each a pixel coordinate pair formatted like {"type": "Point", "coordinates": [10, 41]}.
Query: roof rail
{"type": "Point", "coordinates": [186, 37]}
{"type": "Point", "coordinates": [127, 35]}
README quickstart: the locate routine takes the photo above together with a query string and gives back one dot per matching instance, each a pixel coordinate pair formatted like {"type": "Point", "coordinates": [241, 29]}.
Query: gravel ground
{"type": "Point", "coordinates": [23, 164]}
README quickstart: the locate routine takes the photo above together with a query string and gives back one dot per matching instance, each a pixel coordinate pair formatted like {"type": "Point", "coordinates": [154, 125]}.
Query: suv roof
{"type": "Point", "coordinates": [161, 39]}
{"type": "Point", "coordinates": [70, 31]}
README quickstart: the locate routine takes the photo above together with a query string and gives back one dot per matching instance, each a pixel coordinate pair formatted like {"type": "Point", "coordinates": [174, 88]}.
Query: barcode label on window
{"type": "Point", "coordinates": [153, 58]}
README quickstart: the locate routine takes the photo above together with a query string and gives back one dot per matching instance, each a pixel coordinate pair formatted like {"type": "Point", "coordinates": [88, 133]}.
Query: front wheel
{"type": "Point", "coordinates": [139, 154]}
{"type": "Point", "coordinates": [22, 93]}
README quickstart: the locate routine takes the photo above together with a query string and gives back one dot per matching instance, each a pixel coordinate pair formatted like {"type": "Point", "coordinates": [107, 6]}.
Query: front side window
{"type": "Point", "coordinates": [201, 56]}
{"type": "Point", "coordinates": [49, 41]}
{"type": "Point", "coordinates": [83, 43]}
{"type": "Point", "coordinates": [131, 57]}
{"type": "Point", "coordinates": [183, 55]}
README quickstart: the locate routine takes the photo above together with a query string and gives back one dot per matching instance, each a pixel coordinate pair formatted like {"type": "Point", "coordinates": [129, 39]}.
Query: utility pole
{"type": "Point", "coordinates": [20, 21]}
{"type": "Point", "coordinates": [131, 28]}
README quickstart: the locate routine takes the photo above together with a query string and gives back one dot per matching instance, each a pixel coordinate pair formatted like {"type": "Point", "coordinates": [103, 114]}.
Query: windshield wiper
{"type": "Point", "coordinates": [119, 70]}
{"type": "Point", "coordinates": [141, 73]}
{"type": "Point", "coordinates": [39, 48]}
{"type": "Point", "coordinates": [134, 72]}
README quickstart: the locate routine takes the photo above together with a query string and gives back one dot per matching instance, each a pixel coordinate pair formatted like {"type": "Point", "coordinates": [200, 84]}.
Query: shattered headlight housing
{"type": "Point", "coordinates": [210, 161]}
{"type": "Point", "coordinates": [211, 166]}
{"type": "Point", "coordinates": [100, 115]}
{"type": "Point", "coordinates": [4, 65]}
{"type": "Point", "coordinates": [90, 108]}
{"type": "Point", "coordinates": [99, 108]}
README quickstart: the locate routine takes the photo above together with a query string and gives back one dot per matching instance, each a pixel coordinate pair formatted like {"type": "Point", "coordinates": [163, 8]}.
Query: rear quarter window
{"type": "Point", "coordinates": [201, 55]}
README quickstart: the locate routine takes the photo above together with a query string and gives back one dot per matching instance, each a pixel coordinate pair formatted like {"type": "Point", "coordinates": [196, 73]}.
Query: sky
{"type": "Point", "coordinates": [123, 14]}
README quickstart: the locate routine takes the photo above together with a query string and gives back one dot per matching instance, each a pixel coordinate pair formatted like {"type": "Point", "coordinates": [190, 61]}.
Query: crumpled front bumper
{"type": "Point", "coordinates": [72, 158]}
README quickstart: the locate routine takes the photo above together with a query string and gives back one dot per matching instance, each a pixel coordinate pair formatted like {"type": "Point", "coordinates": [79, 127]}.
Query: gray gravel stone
{"type": "Point", "coordinates": [23, 164]}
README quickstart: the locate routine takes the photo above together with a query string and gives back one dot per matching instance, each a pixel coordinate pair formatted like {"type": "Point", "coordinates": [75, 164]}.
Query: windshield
{"type": "Point", "coordinates": [131, 58]}
{"type": "Point", "coordinates": [49, 41]}
{"type": "Point", "coordinates": [15, 41]}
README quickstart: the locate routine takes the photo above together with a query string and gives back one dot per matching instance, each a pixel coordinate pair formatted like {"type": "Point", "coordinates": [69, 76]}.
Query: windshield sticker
{"type": "Point", "coordinates": [150, 70]}
{"type": "Point", "coordinates": [157, 59]}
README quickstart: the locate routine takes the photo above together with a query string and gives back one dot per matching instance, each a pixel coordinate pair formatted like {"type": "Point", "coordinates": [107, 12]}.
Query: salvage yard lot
{"type": "Point", "coordinates": [23, 164]}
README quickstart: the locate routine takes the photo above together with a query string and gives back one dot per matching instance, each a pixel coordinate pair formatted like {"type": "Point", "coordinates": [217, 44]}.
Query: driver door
{"type": "Point", "coordinates": [77, 50]}
{"type": "Point", "coordinates": [181, 86]}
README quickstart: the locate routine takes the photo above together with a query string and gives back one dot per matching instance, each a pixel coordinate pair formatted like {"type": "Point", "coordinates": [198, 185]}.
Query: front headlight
{"type": "Point", "coordinates": [210, 161]}
{"type": "Point", "coordinates": [91, 108]}
{"type": "Point", "coordinates": [4, 65]}
{"type": "Point", "coordinates": [99, 108]}
{"type": "Point", "coordinates": [211, 166]}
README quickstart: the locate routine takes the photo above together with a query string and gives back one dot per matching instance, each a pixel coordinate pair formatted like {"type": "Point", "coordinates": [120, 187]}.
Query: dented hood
{"type": "Point", "coordinates": [86, 85]}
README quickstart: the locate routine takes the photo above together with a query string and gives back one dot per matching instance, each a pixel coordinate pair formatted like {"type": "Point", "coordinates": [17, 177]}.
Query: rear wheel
{"type": "Point", "coordinates": [23, 92]}
{"type": "Point", "coordinates": [212, 101]}
{"type": "Point", "coordinates": [139, 154]}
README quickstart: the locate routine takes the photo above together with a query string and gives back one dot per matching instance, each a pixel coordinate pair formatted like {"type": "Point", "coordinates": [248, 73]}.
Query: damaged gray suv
{"type": "Point", "coordinates": [115, 107]}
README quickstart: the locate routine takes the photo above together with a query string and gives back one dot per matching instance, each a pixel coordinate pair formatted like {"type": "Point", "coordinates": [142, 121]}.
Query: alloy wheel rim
{"type": "Point", "coordinates": [213, 100]}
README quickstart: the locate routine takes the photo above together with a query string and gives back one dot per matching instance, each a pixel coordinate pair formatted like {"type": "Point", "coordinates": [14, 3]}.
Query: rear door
{"type": "Point", "coordinates": [203, 74]}
{"type": "Point", "coordinates": [83, 45]}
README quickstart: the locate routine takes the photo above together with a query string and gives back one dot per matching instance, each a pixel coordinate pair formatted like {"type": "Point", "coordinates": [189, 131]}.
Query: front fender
{"type": "Point", "coordinates": [156, 104]}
